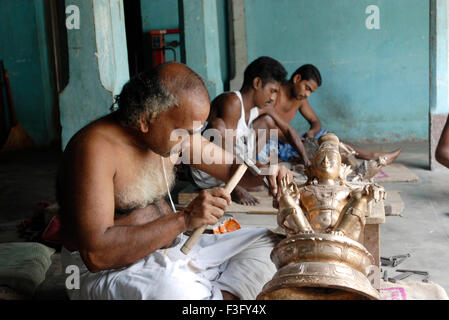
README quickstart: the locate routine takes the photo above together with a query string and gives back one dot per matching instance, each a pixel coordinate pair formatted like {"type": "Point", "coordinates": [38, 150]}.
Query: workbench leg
{"type": "Point", "coordinates": [372, 241]}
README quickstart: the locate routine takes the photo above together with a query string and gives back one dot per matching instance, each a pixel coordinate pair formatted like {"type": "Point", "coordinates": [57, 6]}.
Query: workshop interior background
{"type": "Point", "coordinates": [384, 65]}
{"type": "Point", "coordinates": [375, 81]}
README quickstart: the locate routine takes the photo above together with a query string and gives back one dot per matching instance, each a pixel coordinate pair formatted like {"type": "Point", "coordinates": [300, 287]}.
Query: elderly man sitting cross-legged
{"type": "Point", "coordinates": [117, 227]}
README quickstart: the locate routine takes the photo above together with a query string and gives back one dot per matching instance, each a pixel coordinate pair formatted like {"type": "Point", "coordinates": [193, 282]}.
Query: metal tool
{"type": "Point", "coordinates": [394, 261]}
{"type": "Point", "coordinates": [385, 262]}
{"type": "Point", "coordinates": [407, 255]}
{"type": "Point", "coordinates": [422, 273]}
{"type": "Point", "coordinates": [232, 183]}
{"type": "Point", "coordinates": [256, 171]}
{"type": "Point", "coordinates": [406, 273]}
{"type": "Point", "coordinates": [385, 275]}
{"type": "Point", "coordinates": [400, 276]}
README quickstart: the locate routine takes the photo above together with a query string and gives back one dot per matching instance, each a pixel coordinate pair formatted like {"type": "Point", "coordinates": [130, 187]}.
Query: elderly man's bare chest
{"type": "Point", "coordinates": [141, 180]}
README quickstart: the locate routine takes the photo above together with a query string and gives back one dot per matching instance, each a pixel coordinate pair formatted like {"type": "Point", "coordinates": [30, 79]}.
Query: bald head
{"type": "Point", "coordinates": [157, 90]}
{"type": "Point", "coordinates": [178, 78]}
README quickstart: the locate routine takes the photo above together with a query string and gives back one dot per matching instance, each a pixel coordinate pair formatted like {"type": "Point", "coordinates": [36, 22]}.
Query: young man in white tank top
{"type": "Point", "coordinates": [237, 110]}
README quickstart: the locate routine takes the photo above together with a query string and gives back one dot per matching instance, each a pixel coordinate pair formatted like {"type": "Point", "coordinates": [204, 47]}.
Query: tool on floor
{"type": "Point", "coordinates": [385, 275]}
{"type": "Point", "coordinates": [400, 276]}
{"type": "Point", "coordinates": [394, 261]}
{"type": "Point", "coordinates": [407, 273]}
{"type": "Point", "coordinates": [421, 273]}
{"type": "Point", "coordinates": [232, 183]}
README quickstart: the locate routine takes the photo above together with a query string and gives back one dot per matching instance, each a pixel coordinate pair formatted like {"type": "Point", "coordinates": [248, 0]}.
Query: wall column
{"type": "Point", "coordinates": [98, 64]}
{"type": "Point", "coordinates": [201, 47]}
{"type": "Point", "coordinates": [237, 43]}
{"type": "Point", "coordinates": [439, 74]}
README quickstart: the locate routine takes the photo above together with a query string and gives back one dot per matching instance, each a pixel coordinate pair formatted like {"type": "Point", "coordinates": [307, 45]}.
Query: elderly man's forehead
{"type": "Point", "coordinates": [192, 106]}
{"type": "Point", "coordinates": [177, 76]}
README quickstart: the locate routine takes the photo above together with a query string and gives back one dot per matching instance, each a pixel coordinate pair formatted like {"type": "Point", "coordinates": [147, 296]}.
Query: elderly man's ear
{"type": "Point", "coordinates": [145, 123]}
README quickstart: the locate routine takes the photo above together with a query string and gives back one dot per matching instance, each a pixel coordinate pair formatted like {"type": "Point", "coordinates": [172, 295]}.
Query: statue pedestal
{"type": "Point", "coordinates": [320, 266]}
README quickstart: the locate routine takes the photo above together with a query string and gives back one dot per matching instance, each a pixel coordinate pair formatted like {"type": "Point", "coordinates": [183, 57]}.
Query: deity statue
{"type": "Point", "coordinates": [322, 256]}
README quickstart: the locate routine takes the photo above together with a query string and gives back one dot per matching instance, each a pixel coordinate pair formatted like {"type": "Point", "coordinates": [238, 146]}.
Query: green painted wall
{"type": "Point", "coordinates": [24, 50]}
{"type": "Point", "coordinates": [164, 14]}
{"type": "Point", "coordinates": [439, 67]}
{"type": "Point", "coordinates": [375, 82]}
{"type": "Point", "coordinates": [98, 64]}
{"type": "Point", "coordinates": [160, 14]}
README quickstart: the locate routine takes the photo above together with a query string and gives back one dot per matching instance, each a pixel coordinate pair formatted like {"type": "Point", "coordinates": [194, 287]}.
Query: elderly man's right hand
{"type": "Point", "coordinates": [207, 208]}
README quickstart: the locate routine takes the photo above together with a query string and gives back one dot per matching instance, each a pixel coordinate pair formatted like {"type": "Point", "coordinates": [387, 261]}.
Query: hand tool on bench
{"type": "Point", "coordinates": [232, 183]}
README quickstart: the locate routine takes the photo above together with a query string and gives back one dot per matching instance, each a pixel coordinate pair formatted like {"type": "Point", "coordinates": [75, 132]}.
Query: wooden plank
{"type": "Point", "coordinates": [394, 206]}
{"type": "Point", "coordinates": [376, 212]}
{"type": "Point", "coordinates": [264, 207]}
{"type": "Point", "coordinates": [376, 215]}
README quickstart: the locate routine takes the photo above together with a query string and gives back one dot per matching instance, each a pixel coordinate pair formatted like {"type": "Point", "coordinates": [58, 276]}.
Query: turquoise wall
{"type": "Point", "coordinates": [98, 64]}
{"type": "Point", "coordinates": [164, 14]}
{"type": "Point", "coordinates": [160, 14]}
{"type": "Point", "coordinates": [375, 82]}
{"type": "Point", "coordinates": [439, 68]}
{"type": "Point", "coordinates": [201, 43]}
{"type": "Point", "coordinates": [24, 50]}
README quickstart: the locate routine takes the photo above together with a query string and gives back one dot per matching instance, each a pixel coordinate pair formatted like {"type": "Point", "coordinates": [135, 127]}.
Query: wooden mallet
{"type": "Point", "coordinates": [188, 245]}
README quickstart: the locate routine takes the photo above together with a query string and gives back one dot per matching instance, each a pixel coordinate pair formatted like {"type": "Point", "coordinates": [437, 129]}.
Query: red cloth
{"type": "Point", "coordinates": [51, 232]}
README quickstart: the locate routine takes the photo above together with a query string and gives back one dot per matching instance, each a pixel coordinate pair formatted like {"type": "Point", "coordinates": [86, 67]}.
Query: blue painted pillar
{"type": "Point", "coordinates": [25, 51]}
{"type": "Point", "coordinates": [201, 46]}
{"type": "Point", "coordinates": [47, 85]}
{"type": "Point", "coordinates": [98, 63]}
{"type": "Point", "coordinates": [439, 74]}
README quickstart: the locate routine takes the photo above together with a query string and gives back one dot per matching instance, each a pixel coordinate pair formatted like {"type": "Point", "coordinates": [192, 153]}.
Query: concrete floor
{"type": "Point", "coordinates": [422, 231]}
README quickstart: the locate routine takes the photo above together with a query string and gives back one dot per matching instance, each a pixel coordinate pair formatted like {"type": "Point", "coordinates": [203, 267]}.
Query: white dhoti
{"type": "Point", "coordinates": [238, 262]}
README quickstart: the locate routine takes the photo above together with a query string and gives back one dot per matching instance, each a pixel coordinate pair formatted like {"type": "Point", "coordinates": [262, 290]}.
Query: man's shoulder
{"type": "Point", "coordinates": [227, 99]}
{"type": "Point", "coordinates": [227, 103]}
{"type": "Point", "coordinates": [94, 138]}
{"type": "Point", "coordinates": [286, 100]}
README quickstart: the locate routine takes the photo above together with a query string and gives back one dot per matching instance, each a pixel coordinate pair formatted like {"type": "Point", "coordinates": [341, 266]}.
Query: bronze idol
{"type": "Point", "coordinates": [321, 256]}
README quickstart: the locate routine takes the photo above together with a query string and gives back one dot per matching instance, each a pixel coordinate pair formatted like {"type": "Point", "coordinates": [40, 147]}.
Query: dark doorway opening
{"type": "Point", "coordinates": [134, 36]}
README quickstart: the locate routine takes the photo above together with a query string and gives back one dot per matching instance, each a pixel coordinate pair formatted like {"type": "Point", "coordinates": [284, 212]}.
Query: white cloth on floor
{"type": "Point", "coordinates": [411, 290]}
{"type": "Point", "coordinates": [244, 146]}
{"type": "Point", "coordinates": [238, 262]}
